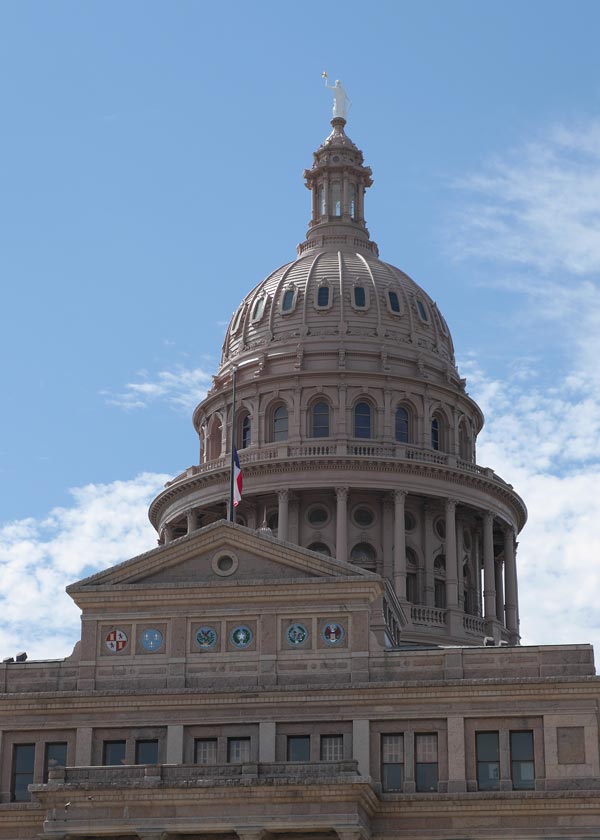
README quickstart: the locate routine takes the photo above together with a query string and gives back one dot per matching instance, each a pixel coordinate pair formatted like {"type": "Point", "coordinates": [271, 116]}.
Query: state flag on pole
{"type": "Point", "coordinates": [237, 479]}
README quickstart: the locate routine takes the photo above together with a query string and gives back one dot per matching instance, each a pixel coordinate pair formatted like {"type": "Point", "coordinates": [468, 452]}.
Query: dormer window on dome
{"type": "Point", "coordinates": [360, 297]}
{"type": "Point", "coordinates": [237, 320]}
{"type": "Point", "coordinates": [324, 296]}
{"type": "Point", "coordinates": [288, 301]}
{"type": "Point", "coordinates": [422, 311]}
{"type": "Point", "coordinates": [393, 301]}
{"type": "Point", "coordinates": [258, 310]}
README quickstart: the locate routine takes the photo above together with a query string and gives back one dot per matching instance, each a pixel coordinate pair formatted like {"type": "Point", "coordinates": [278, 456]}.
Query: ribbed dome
{"type": "Point", "coordinates": [337, 293]}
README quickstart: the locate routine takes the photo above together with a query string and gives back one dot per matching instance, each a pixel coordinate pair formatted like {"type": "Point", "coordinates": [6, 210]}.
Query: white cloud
{"type": "Point", "coordinates": [538, 205]}
{"type": "Point", "coordinates": [182, 388]}
{"type": "Point", "coordinates": [106, 524]}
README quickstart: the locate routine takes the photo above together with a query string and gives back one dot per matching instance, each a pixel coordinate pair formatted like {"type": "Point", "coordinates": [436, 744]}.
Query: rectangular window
{"type": "Point", "coordinates": [487, 746]}
{"type": "Point", "coordinates": [412, 590]}
{"type": "Point", "coordinates": [392, 762]}
{"type": "Point", "coordinates": [521, 760]}
{"type": "Point", "coordinates": [238, 750]}
{"type": "Point", "coordinates": [22, 772]}
{"type": "Point", "coordinates": [426, 762]}
{"type": "Point", "coordinates": [113, 752]}
{"type": "Point", "coordinates": [55, 755]}
{"type": "Point", "coordinates": [439, 593]}
{"type": "Point", "coordinates": [205, 750]}
{"type": "Point", "coordinates": [146, 752]}
{"type": "Point", "coordinates": [298, 748]}
{"type": "Point", "coordinates": [332, 747]}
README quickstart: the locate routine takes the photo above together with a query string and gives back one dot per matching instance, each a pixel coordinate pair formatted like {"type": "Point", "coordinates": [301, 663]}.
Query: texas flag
{"type": "Point", "coordinates": [237, 479]}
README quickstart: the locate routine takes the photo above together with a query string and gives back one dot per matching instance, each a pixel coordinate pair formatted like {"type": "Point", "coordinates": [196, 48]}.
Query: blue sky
{"type": "Point", "coordinates": [150, 174]}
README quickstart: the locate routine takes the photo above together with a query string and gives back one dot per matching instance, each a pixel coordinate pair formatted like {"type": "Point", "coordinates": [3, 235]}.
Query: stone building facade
{"type": "Point", "coordinates": [343, 660]}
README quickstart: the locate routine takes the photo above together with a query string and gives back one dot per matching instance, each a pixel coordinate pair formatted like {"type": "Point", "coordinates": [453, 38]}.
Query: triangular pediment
{"type": "Point", "coordinates": [221, 553]}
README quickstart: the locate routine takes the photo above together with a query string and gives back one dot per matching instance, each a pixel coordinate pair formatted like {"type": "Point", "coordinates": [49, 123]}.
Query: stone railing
{"type": "Point", "coordinates": [473, 624]}
{"type": "Point", "coordinates": [186, 774]}
{"type": "Point", "coordinates": [427, 615]}
{"type": "Point", "coordinates": [354, 449]}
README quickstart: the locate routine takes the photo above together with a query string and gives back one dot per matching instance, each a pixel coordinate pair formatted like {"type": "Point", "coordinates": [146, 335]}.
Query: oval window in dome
{"type": "Point", "coordinates": [258, 310]}
{"type": "Point", "coordinates": [288, 301]}
{"type": "Point", "coordinates": [394, 302]}
{"type": "Point", "coordinates": [363, 517]}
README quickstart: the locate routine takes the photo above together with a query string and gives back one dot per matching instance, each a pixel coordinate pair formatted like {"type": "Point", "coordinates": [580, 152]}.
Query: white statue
{"type": "Point", "coordinates": [341, 101]}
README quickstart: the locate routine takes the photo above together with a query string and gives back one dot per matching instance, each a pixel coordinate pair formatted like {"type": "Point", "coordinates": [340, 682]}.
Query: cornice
{"type": "Point", "coordinates": [347, 463]}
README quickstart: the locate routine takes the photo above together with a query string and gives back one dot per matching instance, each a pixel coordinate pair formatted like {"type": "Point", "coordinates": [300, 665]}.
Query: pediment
{"type": "Point", "coordinates": [221, 553]}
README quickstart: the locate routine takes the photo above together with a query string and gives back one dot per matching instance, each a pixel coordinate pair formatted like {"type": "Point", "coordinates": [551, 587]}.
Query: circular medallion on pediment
{"type": "Point", "coordinates": [333, 633]}
{"type": "Point", "coordinates": [206, 637]}
{"type": "Point", "coordinates": [151, 640]}
{"type": "Point", "coordinates": [225, 563]}
{"type": "Point", "coordinates": [241, 636]}
{"type": "Point", "coordinates": [296, 634]}
{"type": "Point", "coordinates": [116, 640]}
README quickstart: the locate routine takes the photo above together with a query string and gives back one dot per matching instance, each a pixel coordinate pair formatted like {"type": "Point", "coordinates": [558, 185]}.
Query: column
{"type": "Point", "coordinates": [168, 533]}
{"type": "Point", "coordinates": [460, 577]}
{"type": "Point", "coordinates": [341, 524]}
{"type": "Point", "coordinates": [499, 592]}
{"type": "Point", "coordinates": [477, 566]}
{"type": "Point", "coordinates": [387, 537]}
{"type": "Point", "coordinates": [192, 521]}
{"type": "Point", "coordinates": [294, 520]}
{"type": "Point", "coordinates": [451, 556]}
{"type": "Point", "coordinates": [399, 545]}
{"type": "Point", "coordinates": [510, 583]}
{"type": "Point", "coordinates": [489, 582]}
{"type": "Point", "coordinates": [282, 522]}
{"type": "Point", "coordinates": [428, 585]}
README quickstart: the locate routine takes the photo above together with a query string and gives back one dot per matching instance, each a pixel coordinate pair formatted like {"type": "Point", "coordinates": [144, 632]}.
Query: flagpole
{"type": "Point", "coordinates": [232, 445]}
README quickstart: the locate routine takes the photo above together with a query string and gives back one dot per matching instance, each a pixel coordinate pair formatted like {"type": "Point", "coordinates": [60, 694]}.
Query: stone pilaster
{"type": "Point", "coordinates": [341, 524]}
{"type": "Point", "coordinates": [399, 545]}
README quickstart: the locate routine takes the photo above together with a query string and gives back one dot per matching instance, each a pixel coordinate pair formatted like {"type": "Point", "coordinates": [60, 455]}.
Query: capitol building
{"type": "Point", "coordinates": [338, 657]}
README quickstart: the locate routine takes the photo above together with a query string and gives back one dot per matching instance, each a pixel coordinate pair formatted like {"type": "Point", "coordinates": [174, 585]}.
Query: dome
{"type": "Point", "coordinates": [337, 294]}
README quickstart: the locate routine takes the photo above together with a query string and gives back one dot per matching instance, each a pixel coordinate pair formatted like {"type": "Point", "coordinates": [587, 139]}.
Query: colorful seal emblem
{"type": "Point", "coordinates": [151, 639]}
{"type": "Point", "coordinates": [296, 634]}
{"type": "Point", "coordinates": [333, 633]}
{"type": "Point", "coordinates": [116, 641]}
{"type": "Point", "coordinates": [241, 636]}
{"type": "Point", "coordinates": [206, 637]}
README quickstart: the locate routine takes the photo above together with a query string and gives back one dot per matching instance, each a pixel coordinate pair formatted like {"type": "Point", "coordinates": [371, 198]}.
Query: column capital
{"type": "Point", "coordinates": [488, 516]}
{"type": "Point", "coordinates": [283, 495]}
{"type": "Point", "coordinates": [341, 493]}
{"type": "Point", "coordinates": [400, 495]}
{"type": "Point", "coordinates": [451, 503]}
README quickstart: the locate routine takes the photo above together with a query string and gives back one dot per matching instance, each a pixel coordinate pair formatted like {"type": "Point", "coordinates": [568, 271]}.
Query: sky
{"type": "Point", "coordinates": [151, 158]}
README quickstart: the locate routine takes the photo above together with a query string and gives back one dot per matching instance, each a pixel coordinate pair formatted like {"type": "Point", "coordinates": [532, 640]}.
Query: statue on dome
{"type": "Point", "coordinates": [341, 101]}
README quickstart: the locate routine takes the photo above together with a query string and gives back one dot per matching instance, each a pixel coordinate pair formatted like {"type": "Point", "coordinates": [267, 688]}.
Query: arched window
{"type": "Point", "coordinates": [246, 429]}
{"type": "Point", "coordinates": [320, 420]}
{"type": "Point", "coordinates": [435, 433]}
{"type": "Point", "coordinates": [364, 555]}
{"type": "Point", "coordinates": [402, 425]}
{"type": "Point", "coordinates": [422, 311]}
{"type": "Point", "coordinates": [336, 199]}
{"type": "Point", "coordinates": [394, 302]}
{"type": "Point", "coordinates": [258, 309]}
{"type": "Point", "coordinates": [280, 423]}
{"type": "Point", "coordinates": [352, 200]}
{"type": "Point", "coordinates": [213, 438]}
{"type": "Point", "coordinates": [362, 420]}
